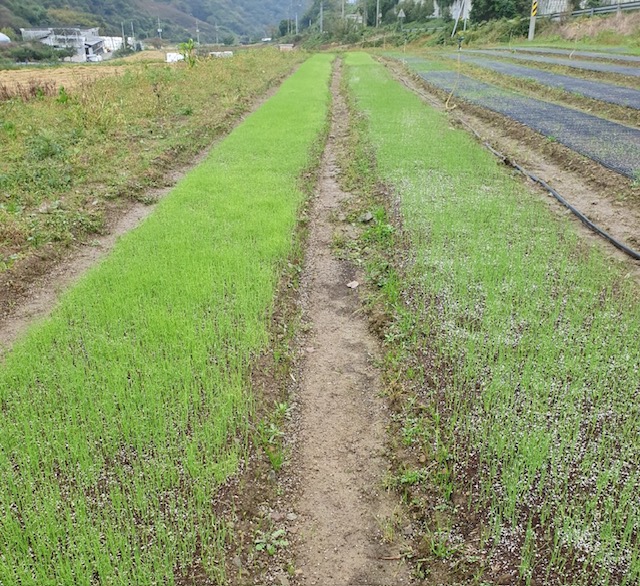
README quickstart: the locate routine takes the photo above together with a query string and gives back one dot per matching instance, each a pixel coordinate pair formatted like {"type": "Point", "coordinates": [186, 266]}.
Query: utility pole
{"type": "Point", "coordinates": [377, 13]}
{"type": "Point", "coordinates": [124, 39]}
{"type": "Point", "coordinates": [197, 32]}
{"type": "Point", "coordinates": [159, 28]}
{"type": "Point", "coordinates": [342, 9]}
{"type": "Point", "coordinates": [466, 15]}
{"type": "Point", "coordinates": [321, 17]}
{"type": "Point", "coordinates": [133, 36]}
{"type": "Point", "coordinates": [532, 19]}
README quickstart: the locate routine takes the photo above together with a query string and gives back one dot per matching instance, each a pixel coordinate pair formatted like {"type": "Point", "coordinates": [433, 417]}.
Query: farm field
{"type": "Point", "coordinates": [442, 391]}
{"type": "Point", "coordinates": [613, 145]}
{"type": "Point", "coordinates": [72, 162]}
{"type": "Point", "coordinates": [69, 76]}
{"type": "Point", "coordinates": [516, 347]}
{"type": "Point", "coordinates": [124, 412]}
{"type": "Point", "coordinates": [587, 65]}
{"type": "Point", "coordinates": [544, 129]}
{"type": "Point", "coordinates": [606, 92]}
{"type": "Point", "coordinates": [599, 55]}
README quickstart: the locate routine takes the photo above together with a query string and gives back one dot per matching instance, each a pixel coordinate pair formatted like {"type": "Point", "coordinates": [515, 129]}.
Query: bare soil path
{"type": "Point", "coordinates": [346, 519]}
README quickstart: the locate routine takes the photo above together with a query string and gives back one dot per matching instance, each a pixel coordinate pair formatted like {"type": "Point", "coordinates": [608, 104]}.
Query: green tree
{"type": "Point", "coordinates": [9, 32]}
{"type": "Point", "coordinates": [331, 16]}
{"type": "Point", "coordinates": [484, 10]}
{"type": "Point", "coordinates": [284, 27]}
{"type": "Point", "coordinates": [156, 42]}
{"type": "Point", "coordinates": [386, 7]}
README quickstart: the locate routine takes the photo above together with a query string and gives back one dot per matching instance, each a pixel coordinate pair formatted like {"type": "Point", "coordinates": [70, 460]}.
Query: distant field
{"type": "Point", "coordinates": [67, 76]}
{"type": "Point", "coordinates": [71, 75]}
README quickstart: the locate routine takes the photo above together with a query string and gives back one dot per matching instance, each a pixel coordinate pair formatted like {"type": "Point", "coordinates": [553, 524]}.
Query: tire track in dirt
{"type": "Point", "coordinates": [344, 513]}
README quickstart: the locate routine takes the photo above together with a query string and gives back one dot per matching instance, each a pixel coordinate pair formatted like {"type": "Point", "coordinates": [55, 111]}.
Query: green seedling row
{"type": "Point", "coordinates": [122, 413]}
{"type": "Point", "coordinates": [67, 158]}
{"type": "Point", "coordinates": [528, 382]}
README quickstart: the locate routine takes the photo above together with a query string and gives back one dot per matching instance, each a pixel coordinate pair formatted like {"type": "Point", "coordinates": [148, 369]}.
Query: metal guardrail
{"type": "Point", "coordinates": [597, 10]}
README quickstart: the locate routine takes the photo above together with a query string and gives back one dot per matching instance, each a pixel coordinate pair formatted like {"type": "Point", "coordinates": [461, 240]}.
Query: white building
{"type": "Point", "coordinates": [88, 44]}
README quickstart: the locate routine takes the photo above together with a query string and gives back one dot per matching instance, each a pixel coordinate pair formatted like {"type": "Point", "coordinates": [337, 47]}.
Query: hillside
{"type": "Point", "coordinates": [246, 19]}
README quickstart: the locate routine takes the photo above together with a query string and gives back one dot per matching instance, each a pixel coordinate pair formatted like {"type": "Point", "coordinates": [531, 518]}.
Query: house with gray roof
{"type": "Point", "coordinates": [88, 44]}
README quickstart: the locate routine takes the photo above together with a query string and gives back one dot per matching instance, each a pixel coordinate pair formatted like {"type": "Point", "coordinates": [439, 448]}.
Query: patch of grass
{"type": "Point", "coordinates": [116, 137]}
{"type": "Point", "coordinates": [513, 352]}
{"type": "Point", "coordinates": [122, 413]}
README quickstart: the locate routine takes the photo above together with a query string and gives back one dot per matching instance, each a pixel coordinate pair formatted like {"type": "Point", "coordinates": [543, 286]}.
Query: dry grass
{"type": "Point", "coordinates": [32, 89]}
{"type": "Point", "coordinates": [623, 24]}
{"type": "Point", "coordinates": [144, 56]}
{"type": "Point", "coordinates": [68, 76]}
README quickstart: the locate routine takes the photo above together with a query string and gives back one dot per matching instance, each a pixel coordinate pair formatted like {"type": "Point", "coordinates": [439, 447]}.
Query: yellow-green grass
{"type": "Point", "coordinates": [66, 159]}
{"type": "Point", "coordinates": [520, 342]}
{"type": "Point", "coordinates": [122, 413]}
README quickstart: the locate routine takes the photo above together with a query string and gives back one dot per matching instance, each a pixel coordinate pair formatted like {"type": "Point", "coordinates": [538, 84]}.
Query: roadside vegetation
{"type": "Point", "coordinates": [122, 413]}
{"type": "Point", "coordinates": [512, 359]}
{"type": "Point", "coordinates": [70, 154]}
{"type": "Point", "coordinates": [31, 52]}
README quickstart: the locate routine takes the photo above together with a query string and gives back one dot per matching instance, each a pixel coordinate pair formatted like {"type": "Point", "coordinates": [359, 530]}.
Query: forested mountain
{"type": "Point", "coordinates": [178, 18]}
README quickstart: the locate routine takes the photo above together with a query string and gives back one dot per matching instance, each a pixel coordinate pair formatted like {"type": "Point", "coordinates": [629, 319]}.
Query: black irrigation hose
{"type": "Point", "coordinates": [586, 221]}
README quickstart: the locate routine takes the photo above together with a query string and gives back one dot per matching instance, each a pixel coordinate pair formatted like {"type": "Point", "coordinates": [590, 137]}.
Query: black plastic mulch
{"type": "Point", "coordinates": [586, 65]}
{"type": "Point", "coordinates": [609, 56]}
{"type": "Point", "coordinates": [605, 92]}
{"type": "Point", "coordinates": [613, 145]}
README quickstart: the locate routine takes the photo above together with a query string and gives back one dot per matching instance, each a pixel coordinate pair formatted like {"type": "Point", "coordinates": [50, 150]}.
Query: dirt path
{"type": "Point", "coordinates": [345, 517]}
